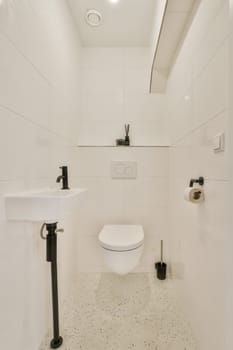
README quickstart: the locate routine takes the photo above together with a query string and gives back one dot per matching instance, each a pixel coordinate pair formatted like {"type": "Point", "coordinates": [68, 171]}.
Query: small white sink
{"type": "Point", "coordinates": [47, 205]}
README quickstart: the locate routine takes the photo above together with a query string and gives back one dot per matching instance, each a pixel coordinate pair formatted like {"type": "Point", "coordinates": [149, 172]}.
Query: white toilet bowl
{"type": "Point", "coordinates": [122, 246]}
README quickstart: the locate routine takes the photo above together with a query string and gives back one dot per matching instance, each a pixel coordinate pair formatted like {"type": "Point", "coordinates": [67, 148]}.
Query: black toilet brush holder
{"type": "Point", "coordinates": [161, 267]}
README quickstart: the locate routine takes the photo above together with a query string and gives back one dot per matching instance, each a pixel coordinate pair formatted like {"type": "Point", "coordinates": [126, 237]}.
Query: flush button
{"type": "Point", "coordinates": [123, 170]}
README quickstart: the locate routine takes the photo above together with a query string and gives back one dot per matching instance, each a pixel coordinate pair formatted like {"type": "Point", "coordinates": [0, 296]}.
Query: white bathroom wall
{"type": "Point", "coordinates": [229, 255]}
{"type": "Point", "coordinates": [39, 101]}
{"type": "Point", "coordinates": [40, 109]}
{"type": "Point", "coordinates": [116, 91]}
{"type": "Point", "coordinates": [198, 89]}
{"type": "Point", "coordinates": [143, 200]}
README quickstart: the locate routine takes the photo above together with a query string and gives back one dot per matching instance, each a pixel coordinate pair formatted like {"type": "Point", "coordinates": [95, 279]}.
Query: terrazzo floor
{"type": "Point", "coordinates": [110, 312]}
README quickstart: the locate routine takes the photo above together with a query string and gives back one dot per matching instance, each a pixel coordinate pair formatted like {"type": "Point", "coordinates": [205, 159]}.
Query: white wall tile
{"type": "Point", "coordinates": [215, 36]}
{"type": "Point", "coordinates": [106, 106]}
{"type": "Point", "coordinates": [33, 101]}
{"type": "Point", "coordinates": [199, 234]}
{"type": "Point", "coordinates": [194, 155]}
{"type": "Point", "coordinates": [103, 80]}
{"type": "Point", "coordinates": [40, 99]}
{"type": "Point", "coordinates": [115, 92]}
{"type": "Point", "coordinates": [136, 80]}
{"type": "Point", "coordinates": [136, 57]}
{"type": "Point", "coordinates": [229, 285]}
{"type": "Point", "coordinates": [211, 88]}
{"type": "Point", "coordinates": [202, 229]}
{"type": "Point", "coordinates": [110, 201]}
{"type": "Point", "coordinates": [96, 161]}
{"type": "Point", "coordinates": [150, 133]}
{"type": "Point", "coordinates": [102, 58]}
{"type": "Point", "coordinates": [41, 45]}
{"type": "Point", "coordinates": [145, 107]}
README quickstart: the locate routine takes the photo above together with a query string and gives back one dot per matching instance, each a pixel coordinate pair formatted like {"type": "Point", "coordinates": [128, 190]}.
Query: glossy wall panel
{"type": "Point", "coordinates": [198, 91]}
{"type": "Point", "coordinates": [143, 200]}
{"type": "Point", "coordinates": [39, 100]}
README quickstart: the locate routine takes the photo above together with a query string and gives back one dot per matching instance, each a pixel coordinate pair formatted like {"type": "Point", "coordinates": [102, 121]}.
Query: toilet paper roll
{"type": "Point", "coordinates": [194, 194]}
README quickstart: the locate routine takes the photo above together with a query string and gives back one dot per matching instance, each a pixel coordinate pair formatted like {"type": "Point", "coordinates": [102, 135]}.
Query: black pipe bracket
{"type": "Point", "coordinates": [200, 181]}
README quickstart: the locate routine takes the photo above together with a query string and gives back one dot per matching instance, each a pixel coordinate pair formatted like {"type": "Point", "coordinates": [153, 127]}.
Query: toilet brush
{"type": "Point", "coordinates": [161, 267]}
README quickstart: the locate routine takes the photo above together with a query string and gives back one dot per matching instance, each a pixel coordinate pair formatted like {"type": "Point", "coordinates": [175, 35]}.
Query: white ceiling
{"type": "Point", "coordinates": [126, 23]}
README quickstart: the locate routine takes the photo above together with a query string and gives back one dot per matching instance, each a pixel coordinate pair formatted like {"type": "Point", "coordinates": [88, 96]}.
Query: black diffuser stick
{"type": "Point", "coordinates": [127, 140]}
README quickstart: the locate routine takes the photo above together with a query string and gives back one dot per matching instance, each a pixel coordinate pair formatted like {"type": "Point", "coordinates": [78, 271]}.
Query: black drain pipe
{"type": "Point", "coordinates": [51, 249]}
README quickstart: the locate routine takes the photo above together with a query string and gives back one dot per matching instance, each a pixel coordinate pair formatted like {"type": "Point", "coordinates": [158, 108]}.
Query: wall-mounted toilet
{"type": "Point", "coordinates": [122, 246]}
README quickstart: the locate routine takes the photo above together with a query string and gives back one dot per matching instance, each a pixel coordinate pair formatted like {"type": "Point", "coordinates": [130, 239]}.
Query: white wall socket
{"type": "Point", "coordinates": [219, 142]}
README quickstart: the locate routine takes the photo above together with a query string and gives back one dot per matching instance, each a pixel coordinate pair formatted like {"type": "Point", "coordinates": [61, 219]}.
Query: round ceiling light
{"type": "Point", "coordinates": [93, 18]}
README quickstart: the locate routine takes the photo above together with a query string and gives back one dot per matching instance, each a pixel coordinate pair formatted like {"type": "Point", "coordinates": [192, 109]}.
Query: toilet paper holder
{"type": "Point", "coordinates": [200, 181]}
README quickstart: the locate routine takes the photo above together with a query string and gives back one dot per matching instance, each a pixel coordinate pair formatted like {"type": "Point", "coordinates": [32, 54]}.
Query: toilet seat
{"type": "Point", "coordinates": [121, 237]}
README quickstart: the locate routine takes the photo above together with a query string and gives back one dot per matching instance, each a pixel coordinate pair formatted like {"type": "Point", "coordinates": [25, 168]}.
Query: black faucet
{"type": "Point", "coordinates": [64, 178]}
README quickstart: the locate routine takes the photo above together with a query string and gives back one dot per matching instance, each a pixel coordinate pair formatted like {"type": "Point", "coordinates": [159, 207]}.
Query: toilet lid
{"type": "Point", "coordinates": [121, 237]}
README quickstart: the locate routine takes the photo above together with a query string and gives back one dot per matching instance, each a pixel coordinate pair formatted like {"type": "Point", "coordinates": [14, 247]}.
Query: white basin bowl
{"type": "Point", "coordinates": [47, 205]}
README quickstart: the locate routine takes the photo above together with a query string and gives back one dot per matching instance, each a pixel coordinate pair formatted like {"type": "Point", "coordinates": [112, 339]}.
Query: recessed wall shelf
{"type": "Point", "coordinates": [177, 18]}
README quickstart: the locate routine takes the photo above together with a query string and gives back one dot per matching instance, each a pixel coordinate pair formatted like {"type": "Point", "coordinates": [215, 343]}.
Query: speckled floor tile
{"type": "Point", "coordinates": [133, 312]}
